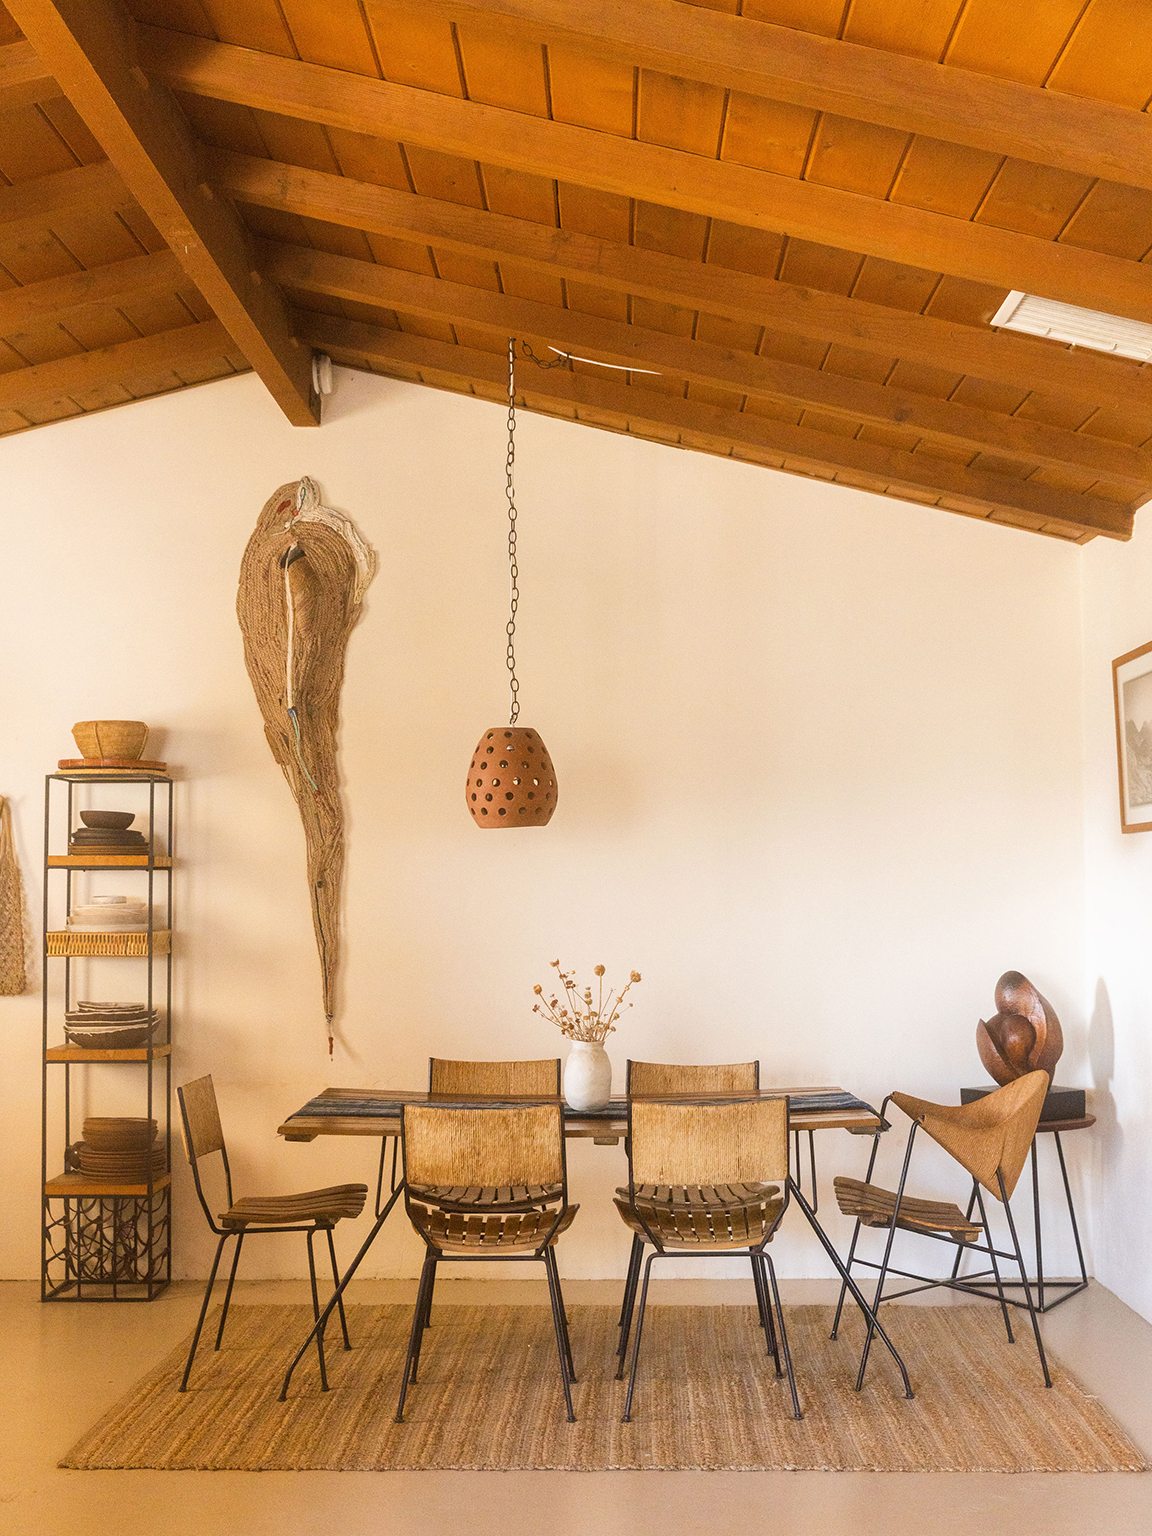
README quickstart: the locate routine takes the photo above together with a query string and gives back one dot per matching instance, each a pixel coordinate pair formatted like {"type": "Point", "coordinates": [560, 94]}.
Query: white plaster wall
{"type": "Point", "coordinates": [818, 752]}
{"type": "Point", "coordinates": [1118, 619]}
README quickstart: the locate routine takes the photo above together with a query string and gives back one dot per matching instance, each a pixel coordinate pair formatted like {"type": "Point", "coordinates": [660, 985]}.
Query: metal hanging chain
{"type": "Point", "coordinates": [513, 569]}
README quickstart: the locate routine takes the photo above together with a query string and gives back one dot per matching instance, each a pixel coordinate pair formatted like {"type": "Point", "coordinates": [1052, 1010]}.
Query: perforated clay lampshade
{"type": "Point", "coordinates": [511, 782]}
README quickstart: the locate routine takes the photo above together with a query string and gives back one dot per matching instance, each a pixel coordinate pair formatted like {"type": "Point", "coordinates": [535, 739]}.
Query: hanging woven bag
{"type": "Point", "coordinates": [13, 914]}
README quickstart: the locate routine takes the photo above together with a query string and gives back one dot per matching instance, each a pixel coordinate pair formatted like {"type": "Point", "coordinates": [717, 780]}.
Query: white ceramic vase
{"type": "Point", "coordinates": [587, 1075]}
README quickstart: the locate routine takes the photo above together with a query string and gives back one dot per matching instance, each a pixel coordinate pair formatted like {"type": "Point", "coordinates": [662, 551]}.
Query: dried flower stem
{"type": "Point", "coordinates": [578, 1017]}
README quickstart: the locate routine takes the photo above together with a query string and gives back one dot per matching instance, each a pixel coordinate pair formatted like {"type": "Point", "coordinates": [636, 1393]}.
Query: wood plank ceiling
{"type": "Point", "coordinates": [786, 223]}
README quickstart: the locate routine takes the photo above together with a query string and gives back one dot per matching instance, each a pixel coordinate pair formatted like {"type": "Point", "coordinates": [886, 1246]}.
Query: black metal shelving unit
{"type": "Point", "coordinates": [104, 1240]}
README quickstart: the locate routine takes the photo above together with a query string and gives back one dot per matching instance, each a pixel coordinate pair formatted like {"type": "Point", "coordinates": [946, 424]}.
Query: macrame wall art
{"type": "Point", "coordinates": [14, 929]}
{"type": "Point", "coordinates": [302, 581]}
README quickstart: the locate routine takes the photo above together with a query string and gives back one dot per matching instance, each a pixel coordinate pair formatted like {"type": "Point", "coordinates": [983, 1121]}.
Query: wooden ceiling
{"type": "Point", "coordinates": [787, 223]}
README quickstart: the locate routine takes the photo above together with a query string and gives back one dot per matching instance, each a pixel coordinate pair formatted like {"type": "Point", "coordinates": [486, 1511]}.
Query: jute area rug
{"type": "Point", "coordinates": [489, 1398]}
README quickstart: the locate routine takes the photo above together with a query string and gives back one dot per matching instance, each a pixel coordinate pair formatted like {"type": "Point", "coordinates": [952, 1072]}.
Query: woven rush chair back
{"type": "Point", "coordinates": [708, 1144]}
{"type": "Point", "coordinates": [659, 1077]}
{"type": "Point", "coordinates": [485, 1145]}
{"type": "Point", "coordinates": [495, 1079]}
{"type": "Point", "coordinates": [992, 1134]}
{"type": "Point", "coordinates": [200, 1118]}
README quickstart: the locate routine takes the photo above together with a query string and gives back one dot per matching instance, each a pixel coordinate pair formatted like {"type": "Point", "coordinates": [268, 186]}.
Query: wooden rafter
{"type": "Point", "coordinates": [631, 168]}
{"type": "Point", "coordinates": [32, 204]}
{"type": "Point", "coordinates": [829, 317]}
{"type": "Point", "coordinates": [1092, 138]}
{"type": "Point", "coordinates": [700, 362]}
{"type": "Point", "coordinates": [89, 45]}
{"type": "Point", "coordinates": [805, 450]}
{"type": "Point", "coordinates": [57, 298]}
{"type": "Point", "coordinates": [68, 376]}
{"type": "Point", "coordinates": [23, 79]}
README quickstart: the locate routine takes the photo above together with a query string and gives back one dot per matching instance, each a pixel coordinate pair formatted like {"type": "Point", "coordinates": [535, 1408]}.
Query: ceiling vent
{"type": "Point", "coordinates": [1081, 327]}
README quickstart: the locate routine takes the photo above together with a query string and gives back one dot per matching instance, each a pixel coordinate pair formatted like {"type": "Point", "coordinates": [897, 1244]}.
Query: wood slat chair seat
{"type": "Point", "coordinates": [470, 1197]}
{"type": "Point", "coordinates": [700, 1197]}
{"type": "Point", "coordinates": [462, 1231]}
{"type": "Point", "coordinates": [874, 1207]}
{"type": "Point", "coordinates": [325, 1207]}
{"type": "Point", "coordinates": [698, 1225]}
{"type": "Point", "coordinates": [310, 1211]}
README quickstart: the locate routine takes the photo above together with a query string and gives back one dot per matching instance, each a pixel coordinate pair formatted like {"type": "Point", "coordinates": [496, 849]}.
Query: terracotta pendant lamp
{"type": "Point", "coordinates": [511, 781]}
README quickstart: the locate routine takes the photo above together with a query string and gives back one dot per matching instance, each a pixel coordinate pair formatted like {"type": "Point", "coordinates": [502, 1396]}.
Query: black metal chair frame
{"type": "Point", "coordinates": [239, 1233]}
{"type": "Point", "coordinates": [757, 1255]}
{"type": "Point", "coordinates": [543, 1253]}
{"type": "Point", "coordinates": [927, 1282]}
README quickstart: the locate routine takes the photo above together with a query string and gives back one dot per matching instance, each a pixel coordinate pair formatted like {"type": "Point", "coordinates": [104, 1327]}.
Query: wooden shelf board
{"type": "Point", "coordinates": [107, 861]}
{"type": "Point", "coordinates": [79, 1053]}
{"type": "Point", "coordinates": [73, 1184]}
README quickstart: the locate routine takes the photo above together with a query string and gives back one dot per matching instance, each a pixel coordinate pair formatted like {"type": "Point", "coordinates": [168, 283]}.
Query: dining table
{"type": "Point", "coordinates": [377, 1112]}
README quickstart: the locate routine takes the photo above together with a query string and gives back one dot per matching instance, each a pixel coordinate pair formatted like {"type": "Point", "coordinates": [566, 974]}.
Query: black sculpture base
{"type": "Point", "coordinates": [1059, 1104]}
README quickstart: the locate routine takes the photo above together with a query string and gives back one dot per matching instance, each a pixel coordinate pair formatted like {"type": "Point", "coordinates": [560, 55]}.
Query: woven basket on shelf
{"type": "Point", "coordinates": [63, 941]}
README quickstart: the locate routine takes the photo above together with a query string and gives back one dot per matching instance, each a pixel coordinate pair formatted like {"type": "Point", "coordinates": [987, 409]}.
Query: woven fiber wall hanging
{"type": "Point", "coordinates": [302, 581]}
{"type": "Point", "coordinates": [14, 934]}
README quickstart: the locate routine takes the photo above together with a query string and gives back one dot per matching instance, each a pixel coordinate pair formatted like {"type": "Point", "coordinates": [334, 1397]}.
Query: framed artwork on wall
{"type": "Point", "coordinates": [1132, 687]}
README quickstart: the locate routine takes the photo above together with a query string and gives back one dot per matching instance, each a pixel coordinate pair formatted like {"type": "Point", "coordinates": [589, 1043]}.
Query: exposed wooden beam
{"type": "Point", "coordinates": [128, 359]}
{"type": "Point", "coordinates": [611, 341]}
{"type": "Point", "coordinates": [58, 297]}
{"type": "Point", "coordinates": [1093, 138]}
{"type": "Point", "coordinates": [998, 355]}
{"type": "Point", "coordinates": [31, 204]}
{"type": "Point", "coordinates": [23, 79]}
{"type": "Point", "coordinates": [803, 449]}
{"type": "Point", "coordinates": [89, 45]}
{"type": "Point", "coordinates": [631, 168]}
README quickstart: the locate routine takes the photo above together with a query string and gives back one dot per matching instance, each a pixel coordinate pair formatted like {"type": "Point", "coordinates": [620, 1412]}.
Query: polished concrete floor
{"type": "Point", "coordinates": [62, 1366]}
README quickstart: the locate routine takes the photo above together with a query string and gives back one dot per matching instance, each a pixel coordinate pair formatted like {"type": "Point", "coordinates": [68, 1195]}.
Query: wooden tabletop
{"type": "Point", "coordinates": [606, 1127]}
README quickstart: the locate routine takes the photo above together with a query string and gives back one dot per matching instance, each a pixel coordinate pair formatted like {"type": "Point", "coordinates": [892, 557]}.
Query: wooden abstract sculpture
{"type": "Point", "coordinates": [1024, 1036]}
{"type": "Point", "coordinates": [302, 581]}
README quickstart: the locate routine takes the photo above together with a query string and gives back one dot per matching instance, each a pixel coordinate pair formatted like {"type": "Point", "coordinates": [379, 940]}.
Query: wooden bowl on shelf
{"type": "Point", "coordinates": [110, 738]}
{"type": "Point", "coordinates": [119, 1133]}
{"type": "Point", "coordinates": [108, 821]}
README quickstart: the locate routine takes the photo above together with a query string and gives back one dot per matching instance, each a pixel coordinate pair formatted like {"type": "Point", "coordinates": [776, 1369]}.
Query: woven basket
{"type": "Point", "coordinates": [63, 942]}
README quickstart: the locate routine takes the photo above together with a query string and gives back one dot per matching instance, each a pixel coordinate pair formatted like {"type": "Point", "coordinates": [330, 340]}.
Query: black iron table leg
{"type": "Point", "coordinates": [337, 1296]}
{"type": "Point", "coordinates": [1071, 1216]}
{"type": "Point", "coordinates": [1036, 1229]}
{"type": "Point", "coordinates": [856, 1293]}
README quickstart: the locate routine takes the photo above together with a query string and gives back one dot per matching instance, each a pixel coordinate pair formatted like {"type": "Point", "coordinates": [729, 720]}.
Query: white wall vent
{"type": "Point", "coordinates": [1081, 327]}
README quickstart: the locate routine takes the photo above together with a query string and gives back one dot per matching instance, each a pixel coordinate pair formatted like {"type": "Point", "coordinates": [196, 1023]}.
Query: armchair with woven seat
{"type": "Point", "coordinates": [700, 1182]}
{"type": "Point", "coordinates": [486, 1147]}
{"type": "Point", "coordinates": [990, 1139]}
{"type": "Point", "coordinates": [312, 1211]}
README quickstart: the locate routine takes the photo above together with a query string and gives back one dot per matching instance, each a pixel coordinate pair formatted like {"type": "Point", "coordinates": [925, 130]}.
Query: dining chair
{"type": "Point", "coordinates": [314, 1210]}
{"type": "Point", "coordinates": [699, 1183]}
{"type": "Point", "coordinates": [665, 1077]}
{"type": "Point", "coordinates": [487, 1147]}
{"type": "Point", "coordinates": [495, 1079]}
{"type": "Point", "coordinates": [990, 1139]}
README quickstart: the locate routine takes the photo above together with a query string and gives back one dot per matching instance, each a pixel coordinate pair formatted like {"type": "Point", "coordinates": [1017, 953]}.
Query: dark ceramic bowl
{"type": "Point", "coordinates": [111, 821]}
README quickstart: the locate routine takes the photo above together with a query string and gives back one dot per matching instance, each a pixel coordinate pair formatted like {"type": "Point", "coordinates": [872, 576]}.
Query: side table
{"type": "Point", "coordinates": [1068, 1288]}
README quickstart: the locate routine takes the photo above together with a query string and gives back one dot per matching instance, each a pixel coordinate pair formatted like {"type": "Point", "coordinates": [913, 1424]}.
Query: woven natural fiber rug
{"type": "Point", "coordinates": [489, 1398]}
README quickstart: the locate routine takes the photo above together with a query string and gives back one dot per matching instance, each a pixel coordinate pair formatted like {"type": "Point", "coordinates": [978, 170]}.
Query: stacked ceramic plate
{"type": "Point", "coordinates": [110, 1026]}
{"type": "Point", "coordinates": [107, 832]}
{"type": "Point", "coordinates": [109, 914]}
{"type": "Point", "coordinates": [119, 1149]}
